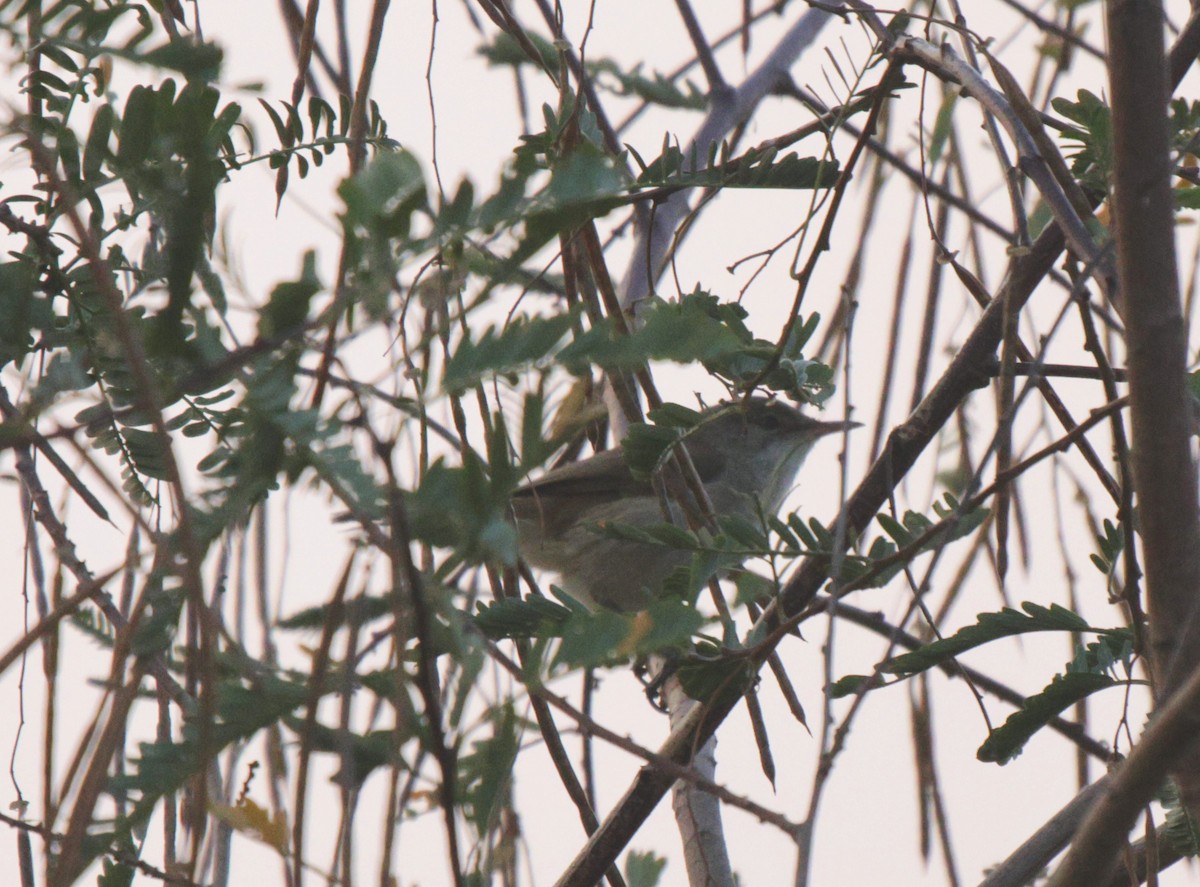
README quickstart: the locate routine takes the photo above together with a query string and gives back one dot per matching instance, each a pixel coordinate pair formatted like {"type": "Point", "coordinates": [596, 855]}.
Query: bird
{"type": "Point", "coordinates": [746, 454]}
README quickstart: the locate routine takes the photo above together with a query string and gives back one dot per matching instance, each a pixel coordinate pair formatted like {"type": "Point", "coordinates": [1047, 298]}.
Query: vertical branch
{"type": "Point", "coordinates": [1163, 471]}
{"type": "Point", "coordinates": [358, 156]}
{"type": "Point", "coordinates": [410, 591]}
{"type": "Point", "coordinates": [1156, 338]}
{"type": "Point", "coordinates": [303, 60]}
{"type": "Point", "coordinates": [362, 90]}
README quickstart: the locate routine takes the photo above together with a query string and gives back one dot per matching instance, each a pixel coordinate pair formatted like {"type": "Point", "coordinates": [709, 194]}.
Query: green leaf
{"type": "Point", "coordinates": [282, 131]}
{"type": "Point", "coordinates": [95, 150]}
{"type": "Point", "coordinates": [760, 363]}
{"type": "Point", "coordinates": [656, 89]}
{"type": "Point", "coordinates": [359, 753]}
{"type": "Point", "coordinates": [456, 214]}
{"type": "Point", "coordinates": [674, 415]}
{"type": "Point", "coordinates": [534, 616]}
{"type": "Point", "coordinates": [604, 637]}
{"type": "Point", "coordinates": [137, 131]}
{"type": "Point", "coordinates": [357, 611]}
{"type": "Point", "coordinates": [751, 587]}
{"type": "Point", "coordinates": [384, 195]}
{"type": "Point", "coordinates": [712, 679]}
{"type": "Point", "coordinates": [163, 767]}
{"type": "Point", "coordinates": [848, 685]}
{"type": "Point", "coordinates": [68, 155]}
{"type": "Point", "coordinates": [757, 168]}
{"type": "Point", "coordinates": [671, 536]}
{"type": "Point", "coordinates": [1111, 544]}
{"type": "Point", "coordinates": [534, 448]}
{"type": "Point", "coordinates": [647, 446]}
{"type": "Point", "coordinates": [462, 509]}
{"type": "Point", "coordinates": [744, 534]}
{"type": "Point", "coordinates": [990, 627]}
{"type": "Point", "coordinates": [1008, 740]}
{"type": "Point", "coordinates": [49, 81]}
{"type": "Point", "coordinates": [147, 450]}
{"type": "Point", "coordinates": [677, 331]}
{"type": "Point", "coordinates": [958, 524]}
{"type": "Point", "coordinates": [805, 534]}
{"type": "Point", "coordinates": [644, 869]}
{"type": "Point", "coordinates": [942, 125]}
{"type": "Point", "coordinates": [287, 309]}
{"type": "Point", "coordinates": [855, 568]}
{"type": "Point", "coordinates": [156, 631]}
{"type": "Point", "coordinates": [893, 528]}
{"type": "Point", "coordinates": [585, 175]}
{"type": "Point", "coordinates": [485, 774]}
{"type": "Point", "coordinates": [196, 61]}
{"type": "Point", "coordinates": [1182, 831]}
{"type": "Point", "coordinates": [1092, 162]}
{"type": "Point", "coordinates": [1187, 198]}
{"type": "Point", "coordinates": [953, 524]}
{"type": "Point", "coordinates": [504, 50]}
{"type": "Point", "coordinates": [59, 56]}
{"type": "Point", "coordinates": [118, 874]}
{"type": "Point", "coordinates": [23, 311]}
{"type": "Point", "coordinates": [522, 341]}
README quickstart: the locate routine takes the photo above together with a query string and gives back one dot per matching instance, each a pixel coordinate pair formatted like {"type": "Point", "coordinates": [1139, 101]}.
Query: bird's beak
{"type": "Point", "coordinates": [834, 427]}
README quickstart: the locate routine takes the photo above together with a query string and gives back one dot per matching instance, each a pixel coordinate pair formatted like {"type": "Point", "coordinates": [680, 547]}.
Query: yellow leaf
{"type": "Point", "coordinates": [254, 822]}
{"type": "Point", "coordinates": [638, 629]}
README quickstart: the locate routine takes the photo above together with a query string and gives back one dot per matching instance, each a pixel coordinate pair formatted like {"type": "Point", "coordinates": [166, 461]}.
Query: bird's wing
{"type": "Point", "coordinates": [559, 500]}
{"type": "Point", "coordinates": [604, 473]}
{"type": "Point", "coordinates": [601, 479]}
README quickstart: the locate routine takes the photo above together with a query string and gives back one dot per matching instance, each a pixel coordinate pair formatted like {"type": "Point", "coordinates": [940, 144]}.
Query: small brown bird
{"type": "Point", "coordinates": [746, 454]}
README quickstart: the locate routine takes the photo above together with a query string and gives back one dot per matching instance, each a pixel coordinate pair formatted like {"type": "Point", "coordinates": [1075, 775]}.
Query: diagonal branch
{"type": "Point", "coordinates": [730, 108]}
{"type": "Point", "coordinates": [967, 372]}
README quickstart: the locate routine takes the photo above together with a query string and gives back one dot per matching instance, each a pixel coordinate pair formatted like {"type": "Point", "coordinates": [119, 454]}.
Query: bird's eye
{"type": "Point", "coordinates": [770, 422]}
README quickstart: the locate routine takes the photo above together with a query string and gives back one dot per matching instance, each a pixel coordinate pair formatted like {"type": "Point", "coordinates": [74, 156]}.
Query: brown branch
{"type": "Point", "coordinates": [967, 372]}
{"type": "Point", "coordinates": [662, 762]}
{"type": "Point", "coordinates": [1171, 733]}
{"type": "Point", "coordinates": [1070, 730]}
{"type": "Point", "coordinates": [1163, 470]}
{"type": "Point", "coordinates": [407, 579]}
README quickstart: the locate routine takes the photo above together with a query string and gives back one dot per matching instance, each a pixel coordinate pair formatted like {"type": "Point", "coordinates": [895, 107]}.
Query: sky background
{"type": "Point", "coordinates": [867, 832]}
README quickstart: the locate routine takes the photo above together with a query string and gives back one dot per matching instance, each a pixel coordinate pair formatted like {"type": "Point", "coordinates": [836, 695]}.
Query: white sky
{"type": "Point", "coordinates": [868, 831]}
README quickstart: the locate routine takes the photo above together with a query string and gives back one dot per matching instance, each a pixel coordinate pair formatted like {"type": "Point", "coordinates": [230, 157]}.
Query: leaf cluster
{"type": "Point", "coordinates": [308, 137]}
{"type": "Point", "coordinates": [1089, 672]}
{"type": "Point", "coordinates": [1090, 127]}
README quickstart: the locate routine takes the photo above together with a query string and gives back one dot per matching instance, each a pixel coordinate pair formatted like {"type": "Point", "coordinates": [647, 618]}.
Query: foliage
{"type": "Point", "coordinates": [447, 341]}
{"type": "Point", "coordinates": [1088, 673]}
{"type": "Point", "coordinates": [1091, 164]}
{"type": "Point", "coordinates": [1090, 127]}
{"type": "Point", "coordinates": [1180, 828]}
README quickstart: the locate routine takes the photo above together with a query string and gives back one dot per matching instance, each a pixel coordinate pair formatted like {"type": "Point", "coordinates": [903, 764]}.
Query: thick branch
{"type": "Point", "coordinates": [968, 371]}
{"type": "Point", "coordinates": [1160, 411]}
